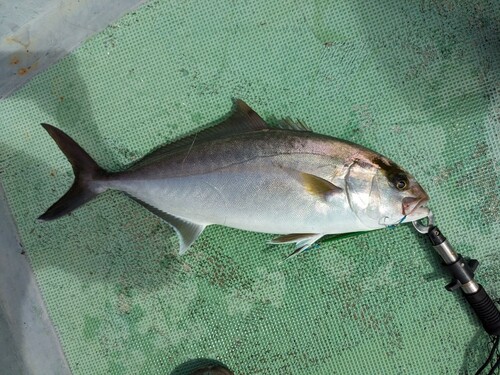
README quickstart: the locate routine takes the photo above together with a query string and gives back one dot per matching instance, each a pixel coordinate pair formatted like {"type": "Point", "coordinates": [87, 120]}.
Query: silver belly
{"type": "Point", "coordinates": [251, 198]}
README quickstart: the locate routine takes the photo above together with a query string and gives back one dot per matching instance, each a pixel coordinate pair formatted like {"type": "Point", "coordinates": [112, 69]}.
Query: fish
{"type": "Point", "coordinates": [243, 173]}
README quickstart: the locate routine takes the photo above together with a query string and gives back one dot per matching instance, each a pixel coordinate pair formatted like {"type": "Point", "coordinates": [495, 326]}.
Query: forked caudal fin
{"type": "Point", "coordinates": [86, 186]}
{"type": "Point", "coordinates": [86, 171]}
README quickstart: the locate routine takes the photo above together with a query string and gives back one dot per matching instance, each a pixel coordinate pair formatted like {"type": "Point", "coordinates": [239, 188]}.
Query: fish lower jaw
{"type": "Point", "coordinates": [411, 205]}
{"type": "Point", "coordinates": [418, 213]}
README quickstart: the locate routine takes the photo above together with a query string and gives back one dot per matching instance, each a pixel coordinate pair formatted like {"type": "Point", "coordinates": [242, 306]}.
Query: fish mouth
{"type": "Point", "coordinates": [412, 204]}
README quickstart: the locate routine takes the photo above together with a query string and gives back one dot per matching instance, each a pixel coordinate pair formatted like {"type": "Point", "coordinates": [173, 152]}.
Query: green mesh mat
{"type": "Point", "coordinates": [418, 83]}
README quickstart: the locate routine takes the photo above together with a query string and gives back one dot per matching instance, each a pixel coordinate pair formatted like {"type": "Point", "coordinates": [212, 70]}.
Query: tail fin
{"type": "Point", "coordinates": [86, 173]}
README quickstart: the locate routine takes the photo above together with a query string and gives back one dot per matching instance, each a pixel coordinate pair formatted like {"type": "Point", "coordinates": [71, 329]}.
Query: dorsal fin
{"type": "Point", "coordinates": [288, 124]}
{"type": "Point", "coordinates": [241, 120]}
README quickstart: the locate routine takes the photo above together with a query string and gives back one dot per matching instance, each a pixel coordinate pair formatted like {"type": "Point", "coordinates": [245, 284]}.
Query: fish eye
{"type": "Point", "coordinates": [401, 182]}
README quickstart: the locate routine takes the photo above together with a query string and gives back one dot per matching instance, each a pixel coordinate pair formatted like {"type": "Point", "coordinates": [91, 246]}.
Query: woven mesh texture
{"type": "Point", "coordinates": [417, 82]}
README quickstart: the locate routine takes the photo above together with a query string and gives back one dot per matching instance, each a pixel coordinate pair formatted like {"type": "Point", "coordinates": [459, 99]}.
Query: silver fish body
{"type": "Point", "coordinates": [245, 174]}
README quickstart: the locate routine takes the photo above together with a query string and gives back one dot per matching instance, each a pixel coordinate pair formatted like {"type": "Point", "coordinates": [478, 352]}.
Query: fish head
{"type": "Point", "coordinates": [383, 194]}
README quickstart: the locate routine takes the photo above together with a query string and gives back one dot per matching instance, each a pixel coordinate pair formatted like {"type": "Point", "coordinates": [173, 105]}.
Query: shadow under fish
{"type": "Point", "coordinates": [243, 173]}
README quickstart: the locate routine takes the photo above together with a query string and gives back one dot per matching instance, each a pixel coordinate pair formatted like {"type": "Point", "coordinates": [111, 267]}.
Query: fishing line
{"type": "Point", "coordinates": [490, 359]}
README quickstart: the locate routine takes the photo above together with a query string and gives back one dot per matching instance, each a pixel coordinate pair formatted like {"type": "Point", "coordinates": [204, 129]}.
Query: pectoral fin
{"type": "Point", "coordinates": [315, 185]}
{"type": "Point", "coordinates": [318, 186]}
{"type": "Point", "coordinates": [186, 230]}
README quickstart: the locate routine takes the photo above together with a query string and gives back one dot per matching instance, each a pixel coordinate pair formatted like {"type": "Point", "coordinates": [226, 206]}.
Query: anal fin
{"type": "Point", "coordinates": [186, 230]}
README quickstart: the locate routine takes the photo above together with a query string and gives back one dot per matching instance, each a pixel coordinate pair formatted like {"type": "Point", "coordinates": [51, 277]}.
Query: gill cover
{"type": "Point", "coordinates": [363, 194]}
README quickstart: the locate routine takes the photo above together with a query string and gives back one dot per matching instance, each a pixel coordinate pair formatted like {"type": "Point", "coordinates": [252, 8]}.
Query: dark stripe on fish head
{"type": "Point", "coordinates": [411, 194]}
{"type": "Point", "coordinates": [396, 176]}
